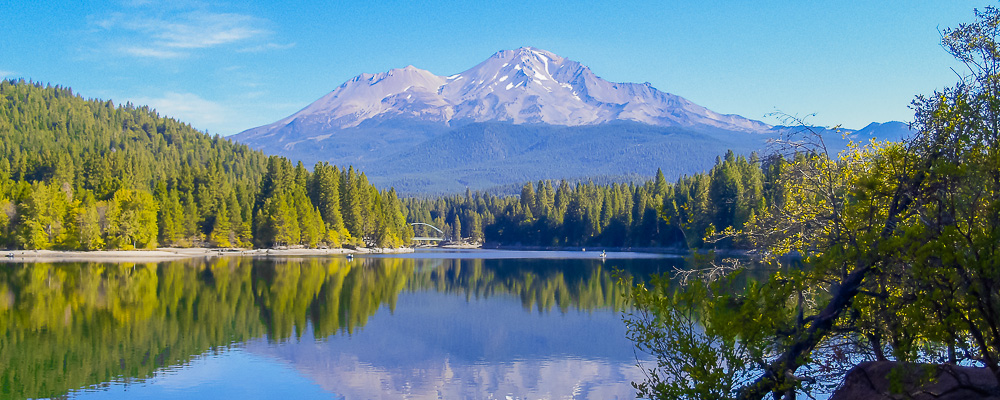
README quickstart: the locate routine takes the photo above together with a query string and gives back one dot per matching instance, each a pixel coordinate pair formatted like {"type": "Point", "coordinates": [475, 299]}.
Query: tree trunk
{"type": "Point", "coordinates": [773, 380]}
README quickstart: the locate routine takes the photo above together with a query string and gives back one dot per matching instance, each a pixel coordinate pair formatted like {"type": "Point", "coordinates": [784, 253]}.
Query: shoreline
{"type": "Point", "coordinates": [171, 254]}
{"type": "Point", "coordinates": [724, 252]}
{"type": "Point", "coordinates": [655, 250]}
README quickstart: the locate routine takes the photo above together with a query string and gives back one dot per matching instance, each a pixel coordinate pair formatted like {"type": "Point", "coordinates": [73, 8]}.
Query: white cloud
{"type": "Point", "coordinates": [267, 47]}
{"type": "Point", "coordinates": [200, 30]}
{"type": "Point", "coordinates": [151, 52]}
{"type": "Point", "coordinates": [255, 95]}
{"type": "Point", "coordinates": [7, 74]}
{"type": "Point", "coordinates": [174, 34]}
{"type": "Point", "coordinates": [202, 114]}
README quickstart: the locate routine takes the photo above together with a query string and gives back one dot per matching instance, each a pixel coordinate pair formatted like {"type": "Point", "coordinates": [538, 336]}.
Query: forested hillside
{"type": "Point", "coordinates": [654, 214]}
{"type": "Point", "coordinates": [89, 174]}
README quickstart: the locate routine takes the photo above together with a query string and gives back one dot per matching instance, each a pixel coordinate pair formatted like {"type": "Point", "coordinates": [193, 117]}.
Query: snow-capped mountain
{"type": "Point", "coordinates": [522, 86]}
{"type": "Point", "coordinates": [521, 115]}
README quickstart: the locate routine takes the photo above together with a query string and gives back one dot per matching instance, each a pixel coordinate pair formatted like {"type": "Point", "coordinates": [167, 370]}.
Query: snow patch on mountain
{"type": "Point", "coordinates": [538, 87]}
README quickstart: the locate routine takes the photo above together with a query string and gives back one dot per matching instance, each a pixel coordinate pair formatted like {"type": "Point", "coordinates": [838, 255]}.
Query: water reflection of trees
{"type": "Point", "coordinates": [71, 325]}
{"type": "Point", "coordinates": [540, 284]}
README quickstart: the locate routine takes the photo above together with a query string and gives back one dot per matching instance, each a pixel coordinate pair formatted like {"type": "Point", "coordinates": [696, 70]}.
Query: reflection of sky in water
{"type": "Point", "coordinates": [433, 346]}
{"type": "Point", "coordinates": [440, 346]}
{"type": "Point", "coordinates": [229, 374]}
{"type": "Point", "coordinates": [456, 332]}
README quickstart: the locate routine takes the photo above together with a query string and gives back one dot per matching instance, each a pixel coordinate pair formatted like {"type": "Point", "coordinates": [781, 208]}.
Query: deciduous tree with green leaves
{"type": "Point", "coordinates": [899, 242]}
{"type": "Point", "coordinates": [132, 220]}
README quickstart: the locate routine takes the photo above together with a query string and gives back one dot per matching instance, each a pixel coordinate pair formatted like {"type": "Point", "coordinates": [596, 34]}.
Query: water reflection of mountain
{"type": "Point", "coordinates": [72, 325]}
{"type": "Point", "coordinates": [441, 346]}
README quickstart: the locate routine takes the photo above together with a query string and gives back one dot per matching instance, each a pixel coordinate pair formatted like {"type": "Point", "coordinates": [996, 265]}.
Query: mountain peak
{"type": "Point", "coordinates": [541, 116]}
{"type": "Point", "coordinates": [527, 53]}
{"type": "Point", "coordinates": [523, 85]}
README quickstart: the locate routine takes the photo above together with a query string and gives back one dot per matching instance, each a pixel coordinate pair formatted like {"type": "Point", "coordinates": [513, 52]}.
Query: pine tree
{"type": "Point", "coordinates": [351, 203]}
{"type": "Point", "coordinates": [528, 198]}
{"type": "Point", "coordinates": [222, 235]}
{"type": "Point", "coordinates": [283, 220]}
{"type": "Point", "coordinates": [325, 194]}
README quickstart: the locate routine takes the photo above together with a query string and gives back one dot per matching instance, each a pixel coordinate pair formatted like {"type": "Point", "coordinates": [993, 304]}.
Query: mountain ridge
{"type": "Point", "coordinates": [470, 125]}
{"type": "Point", "coordinates": [526, 85]}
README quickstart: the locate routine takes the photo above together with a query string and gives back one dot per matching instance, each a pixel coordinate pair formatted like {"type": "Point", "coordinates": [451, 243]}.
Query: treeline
{"type": "Point", "coordinates": [654, 214]}
{"type": "Point", "coordinates": [87, 174]}
{"type": "Point", "coordinates": [327, 206]}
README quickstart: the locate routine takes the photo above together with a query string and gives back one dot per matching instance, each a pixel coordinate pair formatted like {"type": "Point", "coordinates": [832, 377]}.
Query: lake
{"type": "Point", "coordinates": [431, 324]}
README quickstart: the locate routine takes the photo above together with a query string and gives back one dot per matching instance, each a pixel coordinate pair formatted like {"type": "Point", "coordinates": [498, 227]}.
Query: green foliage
{"type": "Point", "coordinates": [132, 220]}
{"type": "Point", "coordinates": [86, 174]}
{"type": "Point", "coordinates": [654, 214]}
{"type": "Point", "coordinates": [900, 240]}
{"type": "Point", "coordinates": [499, 157]}
{"type": "Point", "coordinates": [695, 360]}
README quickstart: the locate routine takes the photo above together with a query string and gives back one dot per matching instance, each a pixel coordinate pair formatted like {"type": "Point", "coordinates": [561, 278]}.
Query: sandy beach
{"type": "Point", "coordinates": [168, 254]}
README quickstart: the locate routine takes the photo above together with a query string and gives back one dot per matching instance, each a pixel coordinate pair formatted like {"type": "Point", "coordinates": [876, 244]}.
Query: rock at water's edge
{"type": "Point", "coordinates": [875, 381]}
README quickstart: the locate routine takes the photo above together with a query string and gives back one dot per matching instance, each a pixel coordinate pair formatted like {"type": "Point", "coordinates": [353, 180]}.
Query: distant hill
{"type": "Point", "coordinates": [893, 130]}
{"type": "Point", "coordinates": [484, 155]}
{"type": "Point", "coordinates": [523, 114]}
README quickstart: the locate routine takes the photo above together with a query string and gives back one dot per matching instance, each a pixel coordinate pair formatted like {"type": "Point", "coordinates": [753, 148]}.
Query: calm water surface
{"type": "Point", "coordinates": [433, 324]}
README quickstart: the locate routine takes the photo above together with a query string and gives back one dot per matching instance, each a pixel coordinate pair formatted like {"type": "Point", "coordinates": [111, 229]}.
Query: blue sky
{"type": "Point", "coordinates": [229, 66]}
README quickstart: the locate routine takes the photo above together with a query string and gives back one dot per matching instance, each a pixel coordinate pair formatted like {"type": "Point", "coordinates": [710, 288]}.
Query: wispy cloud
{"type": "Point", "coordinates": [255, 95]}
{"type": "Point", "coordinates": [162, 34]}
{"type": "Point", "coordinates": [267, 47]}
{"type": "Point", "coordinates": [7, 74]}
{"type": "Point", "coordinates": [200, 30]}
{"type": "Point", "coordinates": [190, 108]}
{"type": "Point", "coordinates": [151, 52]}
